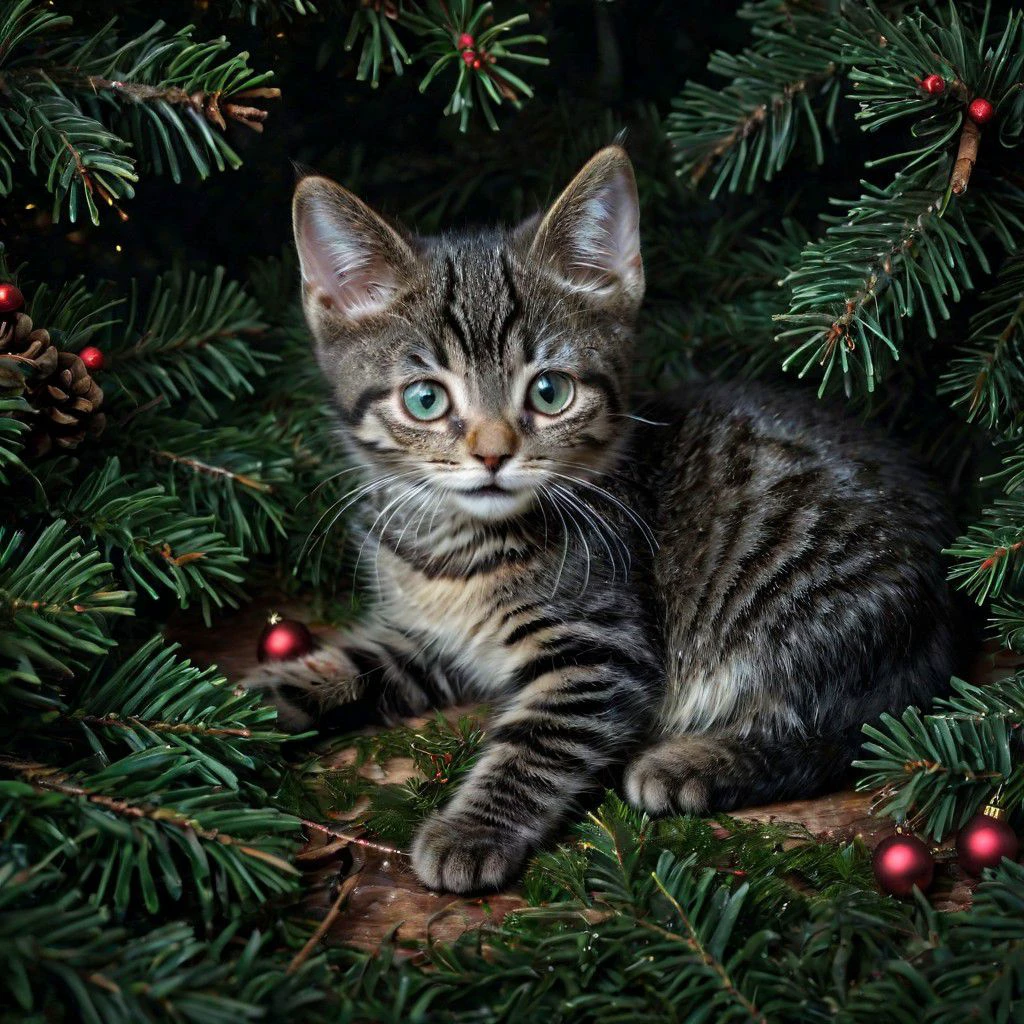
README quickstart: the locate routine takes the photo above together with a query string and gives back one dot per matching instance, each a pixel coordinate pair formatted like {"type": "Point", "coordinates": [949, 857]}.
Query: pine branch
{"type": "Point", "coordinates": [194, 340]}
{"type": "Point", "coordinates": [939, 768]}
{"type": "Point", "coordinates": [54, 596]}
{"type": "Point", "coordinates": [917, 251]}
{"type": "Point", "coordinates": [158, 544]}
{"type": "Point", "coordinates": [81, 109]}
{"type": "Point", "coordinates": [65, 959]}
{"type": "Point", "coordinates": [987, 381]}
{"type": "Point", "coordinates": [156, 699]}
{"type": "Point", "coordinates": [127, 848]}
{"type": "Point", "coordinates": [749, 130]}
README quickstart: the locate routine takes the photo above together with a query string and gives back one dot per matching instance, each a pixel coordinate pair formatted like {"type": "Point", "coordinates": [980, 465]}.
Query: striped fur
{"type": "Point", "coordinates": [710, 596]}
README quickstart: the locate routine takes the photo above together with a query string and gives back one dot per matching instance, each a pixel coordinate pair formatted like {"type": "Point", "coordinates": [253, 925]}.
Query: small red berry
{"type": "Point", "coordinates": [11, 299]}
{"type": "Point", "coordinates": [465, 41]}
{"type": "Point", "coordinates": [981, 111]}
{"type": "Point", "coordinates": [476, 64]}
{"type": "Point", "coordinates": [934, 85]}
{"type": "Point", "coordinates": [468, 57]}
{"type": "Point", "coordinates": [92, 357]}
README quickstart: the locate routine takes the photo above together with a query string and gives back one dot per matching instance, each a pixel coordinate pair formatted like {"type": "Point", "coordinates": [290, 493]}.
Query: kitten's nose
{"type": "Point", "coordinates": [493, 442]}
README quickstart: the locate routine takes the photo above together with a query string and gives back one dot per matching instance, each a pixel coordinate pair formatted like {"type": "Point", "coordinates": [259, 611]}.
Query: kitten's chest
{"type": "Point", "coordinates": [460, 620]}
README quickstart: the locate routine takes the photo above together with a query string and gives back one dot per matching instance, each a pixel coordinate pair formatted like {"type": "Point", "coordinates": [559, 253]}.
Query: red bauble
{"type": "Point", "coordinates": [468, 57]}
{"type": "Point", "coordinates": [984, 841]}
{"type": "Point", "coordinates": [980, 111]}
{"type": "Point", "coordinates": [466, 41]}
{"type": "Point", "coordinates": [934, 85]}
{"type": "Point", "coordinates": [284, 639]}
{"type": "Point", "coordinates": [11, 299]}
{"type": "Point", "coordinates": [92, 357]}
{"type": "Point", "coordinates": [901, 862]}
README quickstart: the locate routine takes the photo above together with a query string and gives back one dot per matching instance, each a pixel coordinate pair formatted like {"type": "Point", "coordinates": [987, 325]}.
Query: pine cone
{"type": "Point", "coordinates": [18, 339]}
{"type": "Point", "coordinates": [58, 386]}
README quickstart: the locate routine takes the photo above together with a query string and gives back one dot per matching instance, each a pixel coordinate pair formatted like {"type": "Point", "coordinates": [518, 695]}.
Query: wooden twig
{"type": "Point", "coordinates": [324, 830]}
{"type": "Point", "coordinates": [966, 157]}
{"type": "Point", "coordinates": [329, 918]}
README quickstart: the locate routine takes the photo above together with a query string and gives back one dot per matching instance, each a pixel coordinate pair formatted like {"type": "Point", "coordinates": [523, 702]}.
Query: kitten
{"type": "Point", "coordinates": [712, 595]}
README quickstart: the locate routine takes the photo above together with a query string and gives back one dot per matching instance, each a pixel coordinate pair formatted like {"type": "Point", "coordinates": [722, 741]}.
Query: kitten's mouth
{"type": "Point", "coordinates": [489, 489]}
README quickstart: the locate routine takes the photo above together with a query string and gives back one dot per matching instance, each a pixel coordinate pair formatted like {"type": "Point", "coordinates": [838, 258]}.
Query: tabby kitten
{"type": "Point", "coordinates": [713, 594]}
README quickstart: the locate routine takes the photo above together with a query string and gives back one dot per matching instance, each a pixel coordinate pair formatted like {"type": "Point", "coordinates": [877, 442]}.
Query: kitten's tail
{"type": "Point", "coordinates": [704, 772]}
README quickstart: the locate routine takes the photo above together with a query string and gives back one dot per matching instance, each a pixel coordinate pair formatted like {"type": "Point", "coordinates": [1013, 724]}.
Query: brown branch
{"type": "Point", "coordinates": [176, 728]}
{"type": "Point", "coordinates": [753, 121]}
{"type": "Point", "coordinates": [346, 837]}
{"type": "Point", "coordinates": [211, 105]}
{"type": "Point", "coordinates": [323, 927]}
{"type": "Point", "coordinates": [210, 470]}
{"type": "Point", "coordinates": [1001, 342]}
{"type": "Point", "coordinates": [53, 780]}
{"type": "Point", "coordinates": [966, 157]}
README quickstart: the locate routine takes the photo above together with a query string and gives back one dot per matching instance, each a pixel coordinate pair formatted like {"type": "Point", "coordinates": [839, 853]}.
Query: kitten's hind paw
{"type": "Point", "coordinates": [302, 689]}
{"type": "Point", "coordinates": [673, 777]}
{"type": "Point", "coordinates": [454, 853]}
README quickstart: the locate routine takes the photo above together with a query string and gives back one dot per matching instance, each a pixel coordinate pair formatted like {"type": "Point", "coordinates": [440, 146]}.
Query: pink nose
{"type": "Point", "coordinates": [492, 442]}
{"type": "Point", "coordinates": [493, 462]}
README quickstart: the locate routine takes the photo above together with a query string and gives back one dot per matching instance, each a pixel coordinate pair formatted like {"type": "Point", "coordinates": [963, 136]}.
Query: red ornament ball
{"type": "Point", "coordinates": [983, 842]}
{"type": "Point", "coordinates": [465, 41]}
{"type": "Point", "coordinates": [468, 57]}
{"type": "Point", "coordinates": [980, 111]}
{"type": "Point", "coordinates": [284, 639]}
{"type": "Point", "coordinates": [11, 299]}
{"type": "Point", "coordinates": [934, 85]}
{"type": "Point", "coordinates": [92, 357]}
{"type": "Point", "coordinates": [901, 862]}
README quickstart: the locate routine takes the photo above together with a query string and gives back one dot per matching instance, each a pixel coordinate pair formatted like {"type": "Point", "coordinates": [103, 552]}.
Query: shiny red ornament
{"type": "Point", "coordinates": [11, 299]}
{"type": "Point", "coordinates": [284, 639]}
{"type": "Point", "coordinates": [466, 41]}
{"type": "Point", "coordinates": [984, 841]}
{"type": "Point", "coordinates": [92, 357]}
{"type": "Point", "coordinates": [901, 862]}
{"type": "Point", "coordinates": [980, 111]}
{"type": "Point", "coordinates": [934, 85]}
{"type": "Point", "coordinates": [468, 57]}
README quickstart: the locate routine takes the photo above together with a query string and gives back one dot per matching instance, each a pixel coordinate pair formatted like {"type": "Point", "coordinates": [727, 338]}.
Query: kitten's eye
{"type": "Point", "coordinates": [550, 393]}
{"type": "Point", "coordinates": [426, 400]}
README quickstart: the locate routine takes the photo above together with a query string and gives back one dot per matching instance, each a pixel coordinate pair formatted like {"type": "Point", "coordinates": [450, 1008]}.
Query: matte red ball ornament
{"type": "Point", "coordinates": [283, 639]}
{"type": "Point", "coordinates": [466, 41]}
{"type": "Point", "coordinates": [985, 840]}
{"type": "Point", "coordinates": [468, 57]}
{"type": "Point", "coordinates": [980, 111]}
{"type": "Point", "coordinates": [11, 299]}
{"type": "Point", "coordinates": [934, 85]}
{"type": "Point", "coordinates": [901, 862]}
{"type": "Point", "coordinates": [92, 357]}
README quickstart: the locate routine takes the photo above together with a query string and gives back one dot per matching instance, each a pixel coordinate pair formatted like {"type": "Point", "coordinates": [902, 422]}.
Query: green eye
{"type": "Point", "coordinates": [426, 400]}
{"type": "Point", "coordinates": [550, 393]}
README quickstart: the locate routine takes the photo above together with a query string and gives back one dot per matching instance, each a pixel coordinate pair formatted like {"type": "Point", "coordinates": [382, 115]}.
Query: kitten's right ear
{"type": "Point", "coordinates": [352, 260]}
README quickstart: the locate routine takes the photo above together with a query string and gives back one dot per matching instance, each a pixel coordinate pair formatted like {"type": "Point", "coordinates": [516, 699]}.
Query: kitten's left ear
{"type": "Point", "coordinates": [590, 238]}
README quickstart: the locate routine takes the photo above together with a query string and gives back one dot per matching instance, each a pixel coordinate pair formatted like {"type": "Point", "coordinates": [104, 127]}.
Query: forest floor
{"type": "Point", "coordinates": [369, 891]}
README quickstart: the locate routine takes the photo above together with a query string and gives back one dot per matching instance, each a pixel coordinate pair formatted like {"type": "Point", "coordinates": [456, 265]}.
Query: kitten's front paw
{"type": "Point", "coordinates": [454, 853]}
{"type": "Point", "coordinates": [302, 689]}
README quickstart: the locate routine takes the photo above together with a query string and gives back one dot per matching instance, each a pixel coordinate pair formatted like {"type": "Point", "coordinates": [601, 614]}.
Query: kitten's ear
{"type": "Point", "coordinates": [591, 236]}
{"type": "Point", "coordinates": [352, 260]}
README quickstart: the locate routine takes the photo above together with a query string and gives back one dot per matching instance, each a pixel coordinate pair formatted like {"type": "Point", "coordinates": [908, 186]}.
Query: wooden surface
{"type": "Point", "coordinates": [382, 899]}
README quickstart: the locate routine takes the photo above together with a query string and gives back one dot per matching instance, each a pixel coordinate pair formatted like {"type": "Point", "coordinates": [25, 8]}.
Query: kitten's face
{"type": "Point", "coordinates": [480, 372]}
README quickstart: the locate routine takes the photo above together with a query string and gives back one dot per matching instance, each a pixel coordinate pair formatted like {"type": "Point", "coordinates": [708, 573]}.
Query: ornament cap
{"type": "Point", "coordinates": [994, 811]}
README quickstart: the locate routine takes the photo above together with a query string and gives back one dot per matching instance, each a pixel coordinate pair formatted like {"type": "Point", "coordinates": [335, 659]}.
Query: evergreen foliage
{"type": "Point", "coordinates": [807, 206]}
